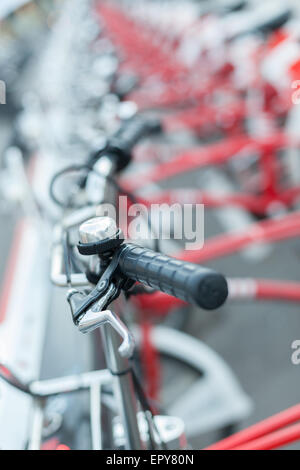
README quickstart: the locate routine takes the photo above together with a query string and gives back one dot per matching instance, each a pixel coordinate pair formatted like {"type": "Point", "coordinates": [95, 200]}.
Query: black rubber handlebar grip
{"type": "Point", "coordinates": [119, 146]}
{"type": "Point", "coordinates": [133, 130]}
{"type": "Point", "coordinates": [186, 281]}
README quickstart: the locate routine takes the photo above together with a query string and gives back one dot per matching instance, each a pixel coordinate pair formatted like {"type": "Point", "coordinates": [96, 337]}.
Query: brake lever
{"type": "Point", "coordinates": [80, 302]}
{"type": "Point", "coordinates": [94, 318]}
{"type": "Point", "coordinates": [106, 299]}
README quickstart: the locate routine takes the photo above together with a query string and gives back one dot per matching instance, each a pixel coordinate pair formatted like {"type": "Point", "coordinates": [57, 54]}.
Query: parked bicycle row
{"type": "Point", "coordinates": [130, 101]}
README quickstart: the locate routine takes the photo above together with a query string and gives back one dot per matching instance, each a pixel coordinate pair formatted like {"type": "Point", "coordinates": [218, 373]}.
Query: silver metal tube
{"type": "Point", "coordinates": [35, 440]}
{"type": "Point", "coordinates": [123, 388]}
{"type": "Point", "coordinates": [70, 383]}
{"type": "Point", "coordinates": [57, 270]}
{"type": "Point", "coordinates": [98, 188]}
{"type": "Point", "coordinates": [95, 412]}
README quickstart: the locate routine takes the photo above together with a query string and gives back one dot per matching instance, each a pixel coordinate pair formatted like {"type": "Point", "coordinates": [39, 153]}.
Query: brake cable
{"type": "Point", "coordinates": [111, 181]}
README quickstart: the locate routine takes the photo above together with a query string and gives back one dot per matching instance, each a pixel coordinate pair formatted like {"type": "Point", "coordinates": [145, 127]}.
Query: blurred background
{"type": "Point", "coordinates": [55, 104]}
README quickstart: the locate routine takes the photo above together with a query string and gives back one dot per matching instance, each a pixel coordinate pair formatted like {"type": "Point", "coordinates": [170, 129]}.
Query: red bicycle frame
{"type": "Point", "coordinates": [273, 433]}
{"type": "Point", "coordinates": [269, 191]}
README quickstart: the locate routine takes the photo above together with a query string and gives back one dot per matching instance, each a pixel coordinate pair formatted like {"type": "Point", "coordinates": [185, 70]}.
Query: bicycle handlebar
{"type": "Point", "coordinates": [189, 282]}
{"type": "Point", "coordinates": [126, 138]}
{"type": "Point", "coordinates": [134, 130]}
